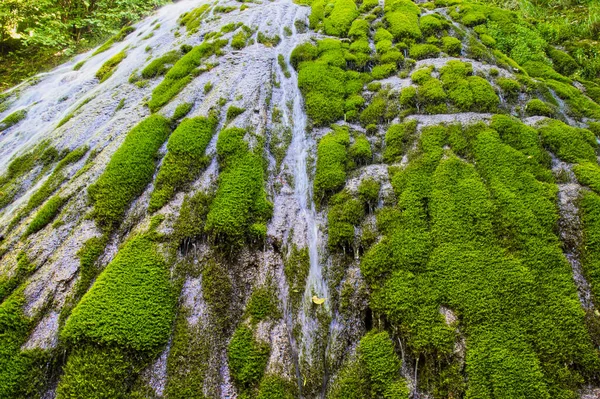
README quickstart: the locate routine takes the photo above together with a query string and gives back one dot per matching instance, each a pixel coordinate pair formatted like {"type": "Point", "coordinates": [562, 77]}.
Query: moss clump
{"type": "Point", "coordinates": [510, 87]}
{"type": "Point", "coordinates": [108, 68]}
{"type": "Point", "coordinates": [431, 97]}
{"type": "Point", "coordinates": [268, 41]}
{"type": "Point", "coordinates": [275, 387]}
{"type": "Point", "coordinates": [129, 171]}
{"type": "Point", "coordinates": [422, 51]}
{"type": "Point", "coordinates": [468, 93]}
{"type": "Point", "coordinates": [360, 150]}
{"type": "Point", "coordinates": [119, 37]}
{"type": "Point", "coordinates": [45, 215]}
{"type": "Point", "coordinates": [180, 74]}
{"type": "Point", "coordinates": [590, 216]}
{"type": "Point", "coordinates": [402, 17]}
{"type": "Point", "coordinates": [451, 46]}
{"type": "Point", "coordinates": [569, 143]}
{"type": "Point", "coordinates": [240, 201]}
{"type": "Point", "coordinates": [579, 105]}
{"type": "Point", "coordinates": [368, 192]}
{"type": "Point", "coordinates": [182, 110]}
{"type": "Point", "coordinates": [296, 269]}
{"type": "Point", "coordinates": [131, 303]}
{"type": "Point", "coordinates": [303, 52]}
{"type": "Point", "coordinates": [398, 139]}
{"type": "Point", "coordinates": [247, 358]}
{"type": "Point", "coordinates": [184, 160]}
{"type": "Point", "coordinates": [588, 173]}
{"type": "Point", "coordinates": [233, 112]}
{"type": "Point", "coordinates": [344, 214]}
{"type": "Point", "coordinates": [13, 119]}
{"type": "Point", "coordinates": [339, 21]}
{"type": "Point", "coordinates": [262, 304]}
{"type": "Point", "coordinates": [192, 19]}
{"type": "Point", "coordinates": [161, 65]}
{"type": "Point", "coordinates": [332, 159]}
{"type": "Point", "coordinates": [430, 24]}
{"type": "Point", "coordinates": [538, 107]}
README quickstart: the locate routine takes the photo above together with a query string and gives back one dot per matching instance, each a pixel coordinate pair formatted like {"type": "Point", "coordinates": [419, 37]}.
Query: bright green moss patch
{"type": "Point", "coordinates": [240, 39]}
{"type": "Point", "coordinates": [402, 17]}
{"type": "Point", "coordinates": [119, 37]}
{"type": "Point", "coordinates": [129, 171]}
{"type": "Point", "coordinates": [182, 110]}
{"type": "Point", "coordinates": [332, 159]}
{"type": "Point", "coordinates": [233, 112]}
{"type": "Point", "coordinates": [108, 68]}
{"type": "Point", "coordinates": [130, 304]}
{"type": "Point", "coordinates": [338, 22]}
{"type": "Point", "coordinates": [467, 92]}
{"type": "Point", "coordinates": [398, 140]}
{"type": "Point", "coordinates": [510, 87]}
{"type": "Point", "coordinates": [180, 74]}
{"type": "Point", "coordinates": [451, 46]}
{"type": "Point", "coordinates": [247, 358]}
{"type": "Point", "coordinates": [538, 107]}
{"type": "Point", "coordinates": [24, 268]}
{"type": "Point", "coordinates": [262, 304]}
{"type": "Point", "coordinates": [590, 216]}
{"type": "Point", "coordinates": [192, 19]}
{"type": "Point", "coordinates": [268, 41]}
{"type": "Point", "coordinates": [579, 105]}
{"type": "Point", "coordinates": [422, 51]}
{"type": "Point", "coordinates": [13, 119]}
{"type": "Point", "coordinates": [569, 143]}
{"type": "Point", "coordinates": [588, 174]}
{"type": "Point", "coordinates": [240, 207]}
{"type": "Point", "coordinates": [45, 215]}
{"type": "Point", "coordinates": [275, 387]}
{"type": "Point", "coordinates": [185, 158]}
{"type": "Point", "coordinates": [160, 65]}
{"type": "Point", "coordinates": [360, 150]}
{"type": "Point", "coordinates": [344, 214]}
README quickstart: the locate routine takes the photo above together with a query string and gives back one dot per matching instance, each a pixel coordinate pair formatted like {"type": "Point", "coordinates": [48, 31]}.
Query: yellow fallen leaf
{"type": "Point", "coordinates": [317, 300]}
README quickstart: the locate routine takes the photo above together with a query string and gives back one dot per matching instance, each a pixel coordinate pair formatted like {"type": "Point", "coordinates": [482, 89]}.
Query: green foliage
{"type": "Point", "coordinates": [185, 158]}
{"type": "Point", "coordinates": [108, 68]}
{"type": "Point", "coordinates": [579, 105]}
{"type": "Point", "coordinates": [241, 200]}
{"type": "Point", "coordinates": [430, 24]}
{"type": "Point", "coordinates": [247, 358]}
{"type": "Point", "coordinates": [562, 62]}
{"type": "Point", "coordinates": [13, 119]}
{"type": "Point", "coordinates": [160, 65]}
{"type": "Point", "coordinates": [368, 192]}
{"type": "Point", "coordinates": [180, 74]}
{"type": "Point", "coordinates": [398, 140]}
{"type": "Point", "coordinates": [131, 304]}
{"type": "Point", "coordinates": [540, 69]}
{"type": "Point", "coordinates": [383, 71]}
{"type": "Point", "coordinates": [45, 215]}
{"type": "Point", "coordinates": [268, 41]}
{"type": "Point", "coordinates": [432, 96]}
{"type": "Point", "coordinates": [303, 52]}
{"type": "Point", "coordinates": [332, 159]}
{"type": "Point", "coordinates": [510, 87]}
{"type": "Point", "coordinates": [192, 19]}
{"type": "Point", "coordinates": [129, 171]}
{"type": "Point", "coordinates": [569, 143]}
{"type": "Point", "coordinates": [538, 107]}
{"type": "Point", "coordinates": [468, 93]}
{"type": "Point", "coordinates": [422, 51]}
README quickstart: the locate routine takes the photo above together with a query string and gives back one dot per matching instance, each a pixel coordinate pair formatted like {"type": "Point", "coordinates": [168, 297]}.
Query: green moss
{"type": "Point", "coordinates": [303, 52]}
{"type": "Point", "coordinates": [579, 105]}
{"type": "Point", "coordinates": [588, 174]}
{"type": "Point", "coordinates": [182, 110]}
{"type": "Point", "coordinates": [247, 358]}
{"type": "Point", "coordinates": [569, 143]}
{"type": "Point", "coordinates": [451, 46]}
{"type": "Point", "coordinates": [468, 93]}
{"type": "Point", "coordinates": [185, 159]}
{"type": "Point", "coordinates": [192, 19]}
{"type": "Point", "coordinates": [160, 65]}
{"type": "Point", "coordinates": [398, 140]}
{"type": "Point", "coordinates": [13, 119]}
{"type": "Point", "coordinates": [131, 303]}
{"type": "Point", "coordinates": [332, 159]}
{"type": "Point", "coordinates": [345, 212]}
{"type": "Point", "coordinates": [262, 304]}
{"type": "Point", "coordinates": [296, 268]}
{"type": "Point", "coordinates": [402, 17]}
{"type": "Point", "coordinates": [360, 150]}
{"type": "Point", "coordinates": [368, 192]}
{"type": "Point", "coordinates": [108, 68]}
{"type": "Point", "coordinates": [241, 200]}
{"type": "Point", "coordinates": [540, 69]}
{"type": "Point", "coordinates": [339, 21]}
{"type": "Point", "coordinates": [180, 74]}
{"type": "Point", "coordinates": [538, 107]}
{"type": "Point", "coordinates": [590, 216]}
{"type": "Point", "coordinates": [359, 29]}
{"type": "Point", "coordinates": [422, 75]}
{"type": "Point", "coordinates": [383, 71]}
{"type": "Point", "coordinates": [408, 97]}
{"type": "Point", "coordinates": [233, 112]}
{"type": "Point", "coordinates": [45, 215]}
{"type": "Point", "coordinates": [129, 171]}
{"type": "Point", "coordinates": [431, 97]}
{"type": "Point", "coordinates": [72, 114]}
{"type": "Point", "coordinates": [78, 66]}
{"type": "Point", "coordinates": [119, 37]}
{"type": "Point", "coordinates": [268, 41]}
{"type": "Point", "coordinates": [430, 24]}
{"type": "Point", "coordinates": [422, 51]}
{"type": "Point", "coordinates": [510, 87]}
{"type": "Point", "coordinates": [275, 387]}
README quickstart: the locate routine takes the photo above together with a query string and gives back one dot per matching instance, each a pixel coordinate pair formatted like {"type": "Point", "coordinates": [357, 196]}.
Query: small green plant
{"type": "Point", "coordinates": [161, 65]}
{"type": "Point", "coordinates": [208, 87]}
{"type": "Point", "coordinates": [538, 107]}
{"type": "Point", "coordinates": [13, 119]}
{"type": "Point", "coordinates": [182, 110]}
{"type": "Point", "coordinates": [108, 68]}
{"type": "Point", "coordinates": [233, 112]}
{"type": "Point", "coordinates": [283, 66]}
